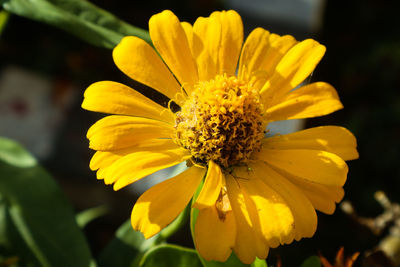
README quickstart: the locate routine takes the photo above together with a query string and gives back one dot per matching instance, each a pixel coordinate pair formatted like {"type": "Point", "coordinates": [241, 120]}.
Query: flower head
{"type": "Point", "coordinates": [258, 192]}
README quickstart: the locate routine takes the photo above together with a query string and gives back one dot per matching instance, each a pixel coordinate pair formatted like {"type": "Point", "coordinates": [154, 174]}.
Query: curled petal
{"type": "Point", "coordinates": [211, 188]}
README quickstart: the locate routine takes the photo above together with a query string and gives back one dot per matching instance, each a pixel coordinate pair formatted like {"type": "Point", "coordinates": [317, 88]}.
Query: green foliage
{"type": "Point", "coordinates": [170, 255]}
{"type": "Point", "coordinates": [79, 17]}
{"type": "Point", "coordinates": [86, 216]}
{"type": "Point", "coordinates": [259, 263]}
{"type": "Point", "coordinates": [312, 261]}
{"type": "Point", "coordinates": [4, 16]}
{"type": "Point", "coordinates": [37, 223]}
{"type": "Point", "coordinates": [127, 248]}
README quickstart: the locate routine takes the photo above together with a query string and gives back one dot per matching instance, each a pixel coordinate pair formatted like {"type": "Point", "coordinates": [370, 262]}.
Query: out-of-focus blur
{"type": "Point", "coordinates": [44, 72]}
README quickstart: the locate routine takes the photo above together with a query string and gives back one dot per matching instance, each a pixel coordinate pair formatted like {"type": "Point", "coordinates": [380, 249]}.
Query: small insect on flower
{"type": "Point", "coordinates": [258, 192]}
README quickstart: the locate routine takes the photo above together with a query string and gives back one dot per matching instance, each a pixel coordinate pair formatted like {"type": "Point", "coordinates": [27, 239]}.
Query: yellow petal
{"type": "Point", "coordinates": [135, 166]}
{"type": "Point", "coordinates": [162, 203]}
{"type": "Point", "coordinates": [170, 40]}
{"type": "Point", "coordinates": [249, 242]}
{"type": "Point", "coordinates": [102, 159]}
{"type": "Point", "coordinates": [313, 100]}
{"type": "Point", "coordinates": [305, 217]}
{"type": "Point", "coordinates": [296, 65]}
{"type": "Point", "coordinates": [206, 41]}
{"type": "Point", "coordinates": [262, 51]}
{"type": "Point", "coordinates": [117, 132]}
{"type": "Point", "coordinates": [211, 188]}
{"type": "Point", "coordinates": [322, 197]}
{"type": "Point", "coordinates": [214, 238]}
{"type": "Point", "coordinates": [333, 139]}
{"type": "Point", "coordinates": [116, 98]}
{"type": "Point", "coordinates": [231, 41]}
{"type": "Point", "coordinates": [138, 60]}
{"type": "Point", "coordinates": [312, 165]}
{"type": "Point", "coordinates": [273, 213]}
{"type": "Point", "coordinates": [188, 28]}
{"type": "Point", "coordinates": [189, 31]}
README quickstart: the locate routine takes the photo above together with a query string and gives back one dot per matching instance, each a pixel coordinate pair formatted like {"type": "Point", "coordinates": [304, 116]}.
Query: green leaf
{"type": "Point", "coordinates": [86, 216]}
{"type": "Point", "coordinates": [312, 261]}
{"type": "Point", "coordinates": [259, 263]}
{"type": "Point", "coordinates": [232, 260]}
{"type": "Point", "coordinates": [170, 255]}
{"type": "Point", "coordinates": [79, 17]}
{"type": "Point", "coordinates": [37, 214]}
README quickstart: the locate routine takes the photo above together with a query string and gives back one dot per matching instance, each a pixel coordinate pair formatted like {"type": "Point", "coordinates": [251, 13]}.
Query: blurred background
{"type": "Point", "coordinates": [44, 72]}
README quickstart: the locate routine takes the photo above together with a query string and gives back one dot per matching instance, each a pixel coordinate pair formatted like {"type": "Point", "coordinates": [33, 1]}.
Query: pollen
{"type": "Point", "coordinates": [221, 121]}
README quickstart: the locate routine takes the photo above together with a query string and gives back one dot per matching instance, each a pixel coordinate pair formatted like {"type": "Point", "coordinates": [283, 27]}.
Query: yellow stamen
{"type": "Point", "coordinates": [221, 121]}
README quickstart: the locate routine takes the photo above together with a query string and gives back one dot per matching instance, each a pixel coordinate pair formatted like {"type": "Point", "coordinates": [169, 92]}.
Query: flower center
{"type": "Point", "coordinates": [221, 121]}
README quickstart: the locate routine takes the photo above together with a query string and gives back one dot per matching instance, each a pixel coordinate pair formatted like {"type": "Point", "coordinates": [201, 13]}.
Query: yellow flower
{"type": "Point", "coordinates": [259, 192]}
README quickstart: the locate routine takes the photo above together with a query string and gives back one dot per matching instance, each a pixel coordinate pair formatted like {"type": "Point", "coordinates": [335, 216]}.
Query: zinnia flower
{"type": "Point", "coordinates": [259, 192]}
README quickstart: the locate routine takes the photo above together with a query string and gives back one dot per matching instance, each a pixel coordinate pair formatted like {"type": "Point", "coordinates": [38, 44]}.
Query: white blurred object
{"type": "Point", "coordinates": [30, 112]}
{"type": "Point", "coordinates": [305, 14]}
{"type": "Point", "coordinates": [142, 185]}
{"type": "Point", "coordinates": [284, 127]}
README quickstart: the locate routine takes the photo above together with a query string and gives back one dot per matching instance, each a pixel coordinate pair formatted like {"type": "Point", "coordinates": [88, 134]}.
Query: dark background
{"type": "Point", "coordinates": [362, 62]}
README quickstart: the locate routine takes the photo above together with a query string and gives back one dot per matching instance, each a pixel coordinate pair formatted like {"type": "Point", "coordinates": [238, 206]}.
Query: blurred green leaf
{"type": "Point", "coordinates": [4, 17]}
{"type": "Point", "coordinates": [129, 246]}
{"type": "Point", "coordinates": [14, 154]}
{"type": "Point", "coordinates": [232, 260]}
{"type": "Point", "coordinates": [173, 227]}
{"type": "Point", "coordinates": [79, 17]}
{"type": "Point", "coordinates": [10, 239]}
{"type": "Point", "coordinates": [126, 249]}
{"type": "Point", "coordinates": [39, 222]}
{"type": "Point", "coordinates": [312, 261]}
{"type": "Point", "coordinates": [170, 255]}
{"type": "Point", "coordinates": [86, 216]}
{"type": "Point", "coordinates": [259, 263]}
